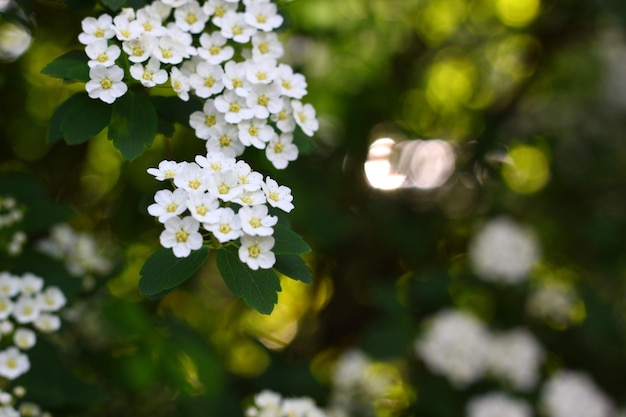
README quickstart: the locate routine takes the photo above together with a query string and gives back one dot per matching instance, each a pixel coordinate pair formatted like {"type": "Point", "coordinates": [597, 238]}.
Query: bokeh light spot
{"type": "Point", "coordinates": [378, 169]}
{"type": "Point", "coordinates": [527, 170]}
{"type": "Point", "coordinates": [517, 13]}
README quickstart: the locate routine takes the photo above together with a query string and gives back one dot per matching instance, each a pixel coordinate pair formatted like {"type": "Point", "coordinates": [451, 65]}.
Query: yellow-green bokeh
{"type": "Point", "coordinates": [527, 169]}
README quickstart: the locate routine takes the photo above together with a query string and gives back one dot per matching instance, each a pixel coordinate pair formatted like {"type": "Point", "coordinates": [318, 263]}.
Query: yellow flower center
{"type": "Point", "coordinates": [255, 222]}
{"type": "Point", "coordinates": [209, 81]}
{"type": "Point", "coordinates": [27, 311]}
{"type": "Point", "coordinates": [278, 147]}
{"type": "Point", "coordinates": [282, 115]}
{"type": "Point", "coordinates": [167, 53]}
{"type": "Point", "coordinates": [171, 207]}
{"type": "Point", "coordinates": [201, 210]}
{"type": "Point", "coordinates": [254, 251]}
{"type": "Point", "coordinates": [147, 75]}
{"type": "Point", "coordinates": [302, 117]}
{"type": "Point", "coordinates": [261, 18]}
{"type": "Point", "coordinates": [253, 130]}
{"type": "Point", "coordinates": [194, 184]}
{"type": "Point", "coordinates": [137, 51]}
{"type": "Point", "coordinates": [224, 141]}
{"type": "Point", "coordinates": [125, 33]}
{"type": "Point", "coordinates": [106, 83]}
{"type": "Point", "coordinates": [214, 49]}
{"type": "Point", "coordinates": [237, 83]}
{"type": "Point", "coordinates": [216, 166]}
{"type": "Point", "coordinates": [191, 18]}
{"type": "Point", "coordinates": [263, 100]}
{"type": "Point", "coordinates": [147, 26]}
{"type": "Point", "coordinates": [223, 189]}
{"type": "Point", "coordinates": [99, 33]}
{"type": "Point", "coordinates": [103, 57]}
{"type": "Point", "coordinates": [181, 236]}
{"type": "Point", "coordinates": [225, 228]}
{"type": "Point", "coordinates": [210, 120]}
{"type": "Point", "coordinates": [273, 196]}
{"type": "Point", "coordinates": [247, 200]}
{"type": "Point", "coordinates": [261, 76]}
{"type": "Point", "coordinates": [264, 48]}
{"type": "Point", "coordinates": [177, 85]}
{"type": "Point", "coordinates": [219, 11]}
{"type": "Point", "coordinates": [286, 85]}
{"type": "Point", "coordinates": [234, 108]}
{"type": "Point", "coordinates": [11, 363]}
{"type": "Point", "coordinates": [237, 30]}
{"type": "Point", "coordinates": [169, 173]}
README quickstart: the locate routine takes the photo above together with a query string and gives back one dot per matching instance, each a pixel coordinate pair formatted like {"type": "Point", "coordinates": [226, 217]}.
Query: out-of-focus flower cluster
{"type": "Point", "coordinates": [12, 239]}
{"type": "Point", "coordinates": [497, 404]}
{"type": "Point", "coordinates": [503, 251]}
{"type": "Point", "coordinates": [574, 394]}
{"type": "Point", "coordinates": [25, 305]}
{"type": "Point", "coordinates": [80, 251]}
{"type": "Point", "coordinates": [271, 404]}
{"type": "Point", "coordinates": [361, 386]}
{"type": "Point", "coordinates": [208, 188]}
{"type": "Point", "coordinates": [460, 347]}
{"type": "Point", "coordinates": [11, 406]}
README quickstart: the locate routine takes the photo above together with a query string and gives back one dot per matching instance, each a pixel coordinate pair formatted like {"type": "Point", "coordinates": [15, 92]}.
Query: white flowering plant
{"type": "Point", "coordinates": [221, 58]}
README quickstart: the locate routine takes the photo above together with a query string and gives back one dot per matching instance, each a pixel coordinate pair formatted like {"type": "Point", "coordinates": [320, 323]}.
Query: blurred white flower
{"type": "Point", "coordinates": [515, 357]}
{"type": "Point", "coordinates": [574, 394]}
{"type": "Point", "coordinates": [503, 251]}
{"type": "Point", "coordinates": [497, 404]}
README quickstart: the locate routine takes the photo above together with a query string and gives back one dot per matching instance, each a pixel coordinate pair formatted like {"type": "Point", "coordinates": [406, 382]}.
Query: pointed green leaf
{"type": "Point", "coordinates": [288, 242]}
{"type": "Point", "coordinates": [163, 271]}
{"type": "Point", "coordinates": [258, 289]}
{"type": "Point", "coordinates": [294, 267]}
{"type": "Point", "coordinates": [115, 5]}
{"type": "Point", "coordinates": [70, 66]}
{"type": "Point", "coordinates": [83, 118]}
{"type": "Point", "coordinates": [133, 124]}
{"type": "Point", "coordinates": [54, 130]}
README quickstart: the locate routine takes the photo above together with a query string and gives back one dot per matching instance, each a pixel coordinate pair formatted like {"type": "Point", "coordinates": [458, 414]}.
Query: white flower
{"type": "Point", "coordinates": [497, 404]}
{"type": "Point", "coordinates": [190, 17]}
{"type": "Point", "coordinates": [502, 251]}
{"type": "Point", "coordinates": [215, 162]}
{"type": "Point", "coordinates": [225, 185]}
{"type": "Point", "coordinates": [208, 122]}
{"type": "Point", "coordinates": [203, 207]}
{"type": "Point", "coordinates": [291, 85]}
{"type": "Point", "coordinates": [180, 84]}
{"type": "Point", "coordinates": [227, 227]}
{"type": "Point", "coordinates": [100, 53]}
{"type": "Point", "coordinates": [280, 150]}
{"type": "Point", "coordinates": [553, 302]}
{"type": "Point", "coordinates": [169, 50]}
{"type": "Point", "coordinates": [235, 78]}
{"type": "Point", "coordinates": [225, 139]}
{"type": "Point", "coordinates": [166, 171]}
{"type": "Point", "coordinates": [47, 323]}
{"type": "Point", "coordinates": [106, 83]}
{"type": "Point", "coordinates": [262, 71]}
{"type": "Point", "coordinates": [13, 363]}
{"type": "Point", "coordinates": [455, 344]}
{"type": "Point", "coordinates": [9, 284]}
{"type": "Point", "coordinates": [573, 394]}
{"type": "Point", "coordinates": [150, 22]}
{"type": "Point", "coordinates": [218, 9]}
{"type": "Point", "coordinates": [192, 178]}
{"type": "Point", "coordinates": [149, 75]}
{"type": "Point", "coordinates": [24, 338]}
{"type": "Point", "coordinates": [250, 198]}
{"type": "Point", "coordinates": [175, 3]}
{"type": "Point", "coordinates": [51, 299]}
{"type": "Point", "coordinates": [249, 179]}
{"type": "Point", "coordinates": [30, 284]}
{"type": "Point", "coordinates": [162, 8]}
{"type": "Point", "coordinates": [6, 326]}
{"type": "Point", "coordinates": [255, 132]}
{"type": "Point", "coordinates": [304, 115]}
{"type": "Point", "coordinates": [140, 50]}
{"type": "Point", "coordinates": [256, 221]}
{"type": "Point", "coordinates": [126, 27]}
{"type": "Point", "coordinates": [515, 357]}
{"type": "Point", "coordinates": [182, 236]}
{"type": "Point", "coordinates": [266, 45]}
{"type": "Point", "coordinates": [28, 409]}
{"type": "Point", "coordinates": [233, 107]}
{"type": "Point", "coordinates": [263, 16]}
{"type": "Point", "coordinates": [6, 307]}
{"type": "Point", "coordinates": [284, 117]}
{"type": "Point", "coordinates": [207, 80]}
{"type": "Point", "coordinates": [26, 310]}
{"type": "Point", "coordinates": [168, 204]}
{"type": "Point", "coordinates": [264, 99]}
{"type": "Point", "coordinates": [234, 26]}
{"type": "Point", "coordinates": [278, 195]}
{"type": "Point", "coordinates": [96, 29]}
{"type": "Point", "coordinates": [256, 251]}
{"type": "Point", "coordinates": [213, 48]}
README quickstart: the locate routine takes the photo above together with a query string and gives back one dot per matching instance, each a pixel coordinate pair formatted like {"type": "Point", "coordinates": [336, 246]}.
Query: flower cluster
{"type": "Point", "coordinates": [460, 347]}
{"type": "Point", "coordinates": [227, 198]}
{"type": "Point", "coordinates": [80, 251]}
{"type": "Point", "coordinates": [555, 303]}
{"type": "Point", "coordinates": [9, 405]}
{"type": "Point", "coordinates": [24, 302]}
{"type": "Point", "coordinates": [222, 51]}
{"type": "Point", "coordinates": [574, 394]}
{"type": "Point", "coordinates": [503, 251]}
{"type": "Point", "coordinates": [497, 404]}
{"type": "Point", "coordinates": [12, 239]}
{"type": "Point", "coordinates": [271, 404]}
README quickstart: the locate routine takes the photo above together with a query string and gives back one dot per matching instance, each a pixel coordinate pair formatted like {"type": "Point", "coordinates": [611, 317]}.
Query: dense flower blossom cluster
{"type": "Point", "coordinates": [574, 394]}
{"type": "Point", "coordinates": [503, 251]}
{"type": "Point", "coordinates": [459, 346]}
{"type": "Point", "coordinates": [271, 404]}
{"type": "Point", "coordinates": [224, 52]}
{"type": "Point", "coordinates": [497, 404]}
{"type": "Point", "coordinates": [9, 406]}
{"type": "Point", "coordinates": [25, 304]}
{"type": "Point", "coordinates": [80, 251]}
{"type": "Point", "coordinates": [208, 188]}
{"type": "Point", "coordinates": [12, 239]}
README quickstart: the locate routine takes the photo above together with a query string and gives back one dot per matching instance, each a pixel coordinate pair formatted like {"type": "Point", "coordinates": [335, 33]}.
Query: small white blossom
{"type": "Point", "coordinates": [168, 204]}
{"type": "Point", "coordinates": [192, 178]}
{"type": "Point", "coordinates": [280, 150]}
{"type": "Point", "coordinates": [140, 49]}
{"type": "Point", "coordinates": [497, 404]}
{"type": "Point", "coordinates": [256, 251]}
{"type": "Point", "coordinates": [225, 185]}
{"type": "Point", "coordinates": [96, 29]}
{"type": "Point", "coordinates": [278, 195]}
{"type": "Point", "coordinates": [234, 26]}
{"type": "Point", "coordinates": [235, 78]}
{"type": "Point", "coordinates": [100, 53]}
{"type": "Point", "coordinates": [218, 9]}
{"type": "Point", "coordinates": [284, 119]}
{"type": "Point", "coordinates": [574, 394]}
{"type": "Point", "coordinates": [262, 71]}
{"type": "Point", "coordinates": [149, 75]}
{"type": "Point", "coordinates": [213, 48]}
{"type": "Point", "coordinates": [126, 27]}
{"type": "Point", "coordinates": [30, 284]}
{"type": "Point", "coordinates": [180, 84]}
{"type": "Point", "coordinates": [249, 179]}
{"type": "Point", "coordinates": [233, 107]}
{"type": "Point", "coordinates": [263, 16]}
{"type": "Point", "coordinates": [256, 221]}
{"type": "Point", "coordinates": [515, 357]}
{"type": "Point", "coordinates": [266, 45]}
{"type": "Point", "coordinates": [106, 83]}
{"type": "Point", "coordinates": [6, 307]}
{"type": "Point", "coordinates": [24, 338]}
{"type": "Point", "coordinates": [51, 299]}
{"type": "Point", "coordinates": [182, 236]}
{"type": "Point", "coordinates": [264, 99]}
{"type": "Point", "coordinates": [166, 171]}
{"type": "Point", "coordinates": [26, 310]}
{"type": "Point", "coordinates": [9, 284]}
{"type": "Point", "coordinates": [225, 139]}
{"type": "Point", "coordinates": [255, 132]}
{"type": "Point", "coordinates": [304, 115]}
{"type": "Point", "coordinates": [207, 80]}
{"type": "Point", "coordinates": [190, 17]}
{"type": "Point", "coordinates": [227, 227]}
{"type": "Point", "coordinates": [13, 363]}
{"type": "Point", "coordinates": [47, 323]}
{"type": "Point", "coordinates": [203, 207]}
{"type": "Point", "coordinates": [291, 84]}
{"type": "Point", "coordinates": [208, 122]}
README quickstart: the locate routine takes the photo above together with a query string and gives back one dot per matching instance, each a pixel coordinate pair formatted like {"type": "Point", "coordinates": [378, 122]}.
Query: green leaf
{"type": "Point", "coordinates": [174, 110]}
{"type": "Point", "coordinates": [163, 271]}
{"type": "Point", "coordinates": [54, 130]}
{"type": "Point", "coordinates": [133, 124]}
{"type": "Point", "coordinates": [258, 289]}
{"type": "Point", "coordinates": [70, 66]}
{"type": "Point", "coordinates": [115, 5]}
{"type": "Point", "coordinates": [294, 267]}
{"type": "Point", "coordinates": [288, 242]}
{"type": "Point", "coordinates": [83, 118]}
